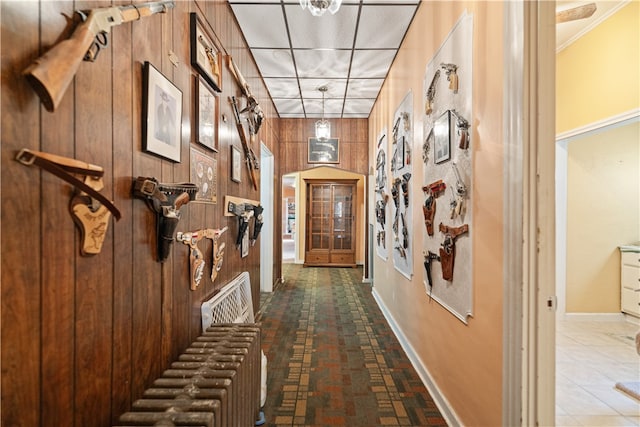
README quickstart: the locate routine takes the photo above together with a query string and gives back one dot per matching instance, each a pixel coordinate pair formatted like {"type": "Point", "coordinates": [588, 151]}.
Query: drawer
{"type": "Point", "coordinates": [316, 258]}
{"type": "Point", "coordinates": [630, 277]}
{"type": "Point", "coordinates": [631, 258]}
{"type": "Point", "coordinates": [630, 301]}
{"type": "Point", "coordinates": [342, 259]}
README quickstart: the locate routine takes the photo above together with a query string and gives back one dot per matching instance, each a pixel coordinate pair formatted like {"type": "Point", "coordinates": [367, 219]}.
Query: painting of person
{"type": "Point", "coordinates": [165, 127]}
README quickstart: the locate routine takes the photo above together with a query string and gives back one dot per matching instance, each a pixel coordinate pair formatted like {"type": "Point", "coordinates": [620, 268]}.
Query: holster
{"type": "Point", "coordinates": [405, 188]}
{"type": "Point", "coordinates": [165, 200]}
{"type": "Point", "coordinates": [381, 212]}
{"type": "Point", "coordinates": [447, 256]}
{"type": "Point", "coordinates": [429, 211]}
{"type": "Point", "coordinates": [242, 228]}
{"type": "Point", "coordinates": [258, 222]}
{"type": "Point", "coordinates": [395, 192]}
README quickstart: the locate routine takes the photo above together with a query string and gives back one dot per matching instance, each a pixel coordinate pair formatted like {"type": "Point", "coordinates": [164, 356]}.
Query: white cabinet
{"type": "Point", "coordinates": [630, 282]}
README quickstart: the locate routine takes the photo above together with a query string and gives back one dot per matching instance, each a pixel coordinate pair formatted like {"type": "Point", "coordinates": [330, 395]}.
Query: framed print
{"type": "Point", "coordinates": [236, 164]}
{"type": "Point", "coordinates": [205, 56]}
{"type": "Point", "coordinates": [206, 116]}
{"type": "Point", "coordinates": [204, 173]}
{"type": "Point", "coordinates": [324, 151]}
{"type": "Point", "coordinates": [161, 114]}
{"type": "Point", "coordinates": [442, 135]}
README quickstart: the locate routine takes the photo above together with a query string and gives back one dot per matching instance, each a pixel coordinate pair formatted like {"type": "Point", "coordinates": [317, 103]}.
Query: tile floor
{"type": "Point", "coordinates": [591, 357]}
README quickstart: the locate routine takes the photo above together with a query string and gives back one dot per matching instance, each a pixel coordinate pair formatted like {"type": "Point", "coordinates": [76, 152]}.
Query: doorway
{"type": "Point", "coordinates": [266, 200]}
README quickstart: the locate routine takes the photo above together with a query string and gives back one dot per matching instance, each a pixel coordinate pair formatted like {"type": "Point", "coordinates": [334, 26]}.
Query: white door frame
{"type": "Point", "coordinates": [529, 212]}
{"type": "Point", "coordinates": [266, 234]}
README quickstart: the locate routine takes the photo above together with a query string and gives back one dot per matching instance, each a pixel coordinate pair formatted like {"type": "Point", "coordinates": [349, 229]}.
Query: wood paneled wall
{"type": "Point", "coordinates": [353, 140]}
{"type": "Point", "coordinates": [84, 336]}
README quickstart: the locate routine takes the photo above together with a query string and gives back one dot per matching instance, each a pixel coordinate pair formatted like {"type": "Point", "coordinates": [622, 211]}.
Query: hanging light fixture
{"type": "Point", "coordinates": [323, 127]}
{"type": "Point", "coordinates": [319, 7]}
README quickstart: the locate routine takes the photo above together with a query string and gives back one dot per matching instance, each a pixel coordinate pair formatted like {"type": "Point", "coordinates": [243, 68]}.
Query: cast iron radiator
{"type": "Point", "coordinates": [215, 382]}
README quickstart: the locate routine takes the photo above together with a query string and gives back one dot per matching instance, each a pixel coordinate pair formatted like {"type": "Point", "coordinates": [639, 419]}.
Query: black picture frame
{"type": "Point", "coordinates": [324, 151]}
{"type": "Point", "coordinates": [161, 114]}
{"type": "Point", "coordinates": [206, 57]}
{"type": "Point", "coordinates": [442, 136]}
{"type": "Point", "coordinates": [206, 105]}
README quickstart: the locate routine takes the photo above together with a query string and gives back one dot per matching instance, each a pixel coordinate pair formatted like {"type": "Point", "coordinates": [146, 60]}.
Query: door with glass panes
{"type": "Point", "coordinates": [330, 238]}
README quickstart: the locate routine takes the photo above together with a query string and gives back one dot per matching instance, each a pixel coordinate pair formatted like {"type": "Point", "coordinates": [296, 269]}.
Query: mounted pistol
{"type": "Point", "coordinates": [51, 74]}
{"type": "Point", "coordinates": [452, 75]}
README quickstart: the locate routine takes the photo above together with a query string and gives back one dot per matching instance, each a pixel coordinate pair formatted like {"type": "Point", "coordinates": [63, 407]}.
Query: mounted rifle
{"type": "Point", "coordinates": [250, 157]}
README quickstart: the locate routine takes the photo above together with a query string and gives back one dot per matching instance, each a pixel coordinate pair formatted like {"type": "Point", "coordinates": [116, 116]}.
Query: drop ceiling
{"type": "Point", "coordinates": [349, 52]}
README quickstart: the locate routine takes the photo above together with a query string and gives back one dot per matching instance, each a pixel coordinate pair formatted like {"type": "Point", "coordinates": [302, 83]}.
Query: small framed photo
{"type": "Point", "coordinates": [236, 164]}
{"type": "Point", "coordinates": [206, 115]}
{"type": "Point", "coordinates": [442, 136]}
{"type": "Point", "coordinates": [204, 173]}
{"type": "Point", "coordinates": [324, 150]}
{"type": "Point", "coordinates": [244, 246]}
{"type": "Point", "coordinates": [205, 56]}
{"type": "Point", "coordinates": [161, 114]}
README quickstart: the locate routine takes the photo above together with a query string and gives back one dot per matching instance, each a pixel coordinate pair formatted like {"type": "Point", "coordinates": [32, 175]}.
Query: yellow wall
{"type": "Point", "coordinates": [324, 172]}
{"type": "Point", "coordinates": [598, 76]}
{"type": "Point", "coordinates": [465, 361]}
{"type": "Point", "coordinates": [603, 207]}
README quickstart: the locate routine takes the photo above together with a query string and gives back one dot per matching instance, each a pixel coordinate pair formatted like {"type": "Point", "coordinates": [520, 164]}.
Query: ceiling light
{"type": "Point", "coordinates": [323, 127]}
{"type": "Point", "coordinates": [319, 7]}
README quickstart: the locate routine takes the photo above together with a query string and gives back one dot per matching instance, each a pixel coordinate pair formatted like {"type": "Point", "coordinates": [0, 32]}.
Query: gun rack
{"type": "Point", "coordinates": [236, 200]}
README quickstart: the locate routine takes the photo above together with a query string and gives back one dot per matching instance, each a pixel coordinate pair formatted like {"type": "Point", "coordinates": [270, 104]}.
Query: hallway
{"type": "Point", "coordinates": [332, 357]}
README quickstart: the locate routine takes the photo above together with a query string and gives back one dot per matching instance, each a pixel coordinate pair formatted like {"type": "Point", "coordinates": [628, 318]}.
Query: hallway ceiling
{"type": "Point", "coordinates": [349, 52]}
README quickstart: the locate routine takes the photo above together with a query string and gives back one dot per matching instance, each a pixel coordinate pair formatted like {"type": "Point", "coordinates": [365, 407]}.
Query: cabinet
{"type": "Point", "coordinates": [630, 281]}
{"type": "Point", "coordinates": [330, 223]}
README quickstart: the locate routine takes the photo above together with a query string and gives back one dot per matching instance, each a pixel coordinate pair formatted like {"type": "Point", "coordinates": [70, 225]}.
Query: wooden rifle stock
{"type": "Point", "coordinates": [245, 144]}
{"type": "Point", "coordinates": [51, 74]}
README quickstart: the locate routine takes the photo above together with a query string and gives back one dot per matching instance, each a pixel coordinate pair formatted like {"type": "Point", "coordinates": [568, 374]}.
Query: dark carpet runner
{"type": "Point", "coordinates": [332, 357]}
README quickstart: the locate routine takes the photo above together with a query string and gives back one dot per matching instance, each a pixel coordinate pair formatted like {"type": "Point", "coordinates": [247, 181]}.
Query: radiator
{"type": "Point", "coordinates": [215, 382]}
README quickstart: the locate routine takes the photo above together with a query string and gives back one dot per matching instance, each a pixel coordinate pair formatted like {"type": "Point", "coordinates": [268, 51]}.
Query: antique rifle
{"type": "Point", "coordinates": [51, 74]}
{"type": "Point", "coordinates": [248, 153]}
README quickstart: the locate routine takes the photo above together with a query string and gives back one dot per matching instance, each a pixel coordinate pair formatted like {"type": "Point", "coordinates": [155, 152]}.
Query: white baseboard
{"type": "Point", "coordinates": [440, 400]}
{"type": "Point", "coordinates": [592, 317]}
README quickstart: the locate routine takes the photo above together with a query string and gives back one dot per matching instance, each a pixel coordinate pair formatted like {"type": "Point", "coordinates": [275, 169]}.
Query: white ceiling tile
{"type": "Point", "coordinates": [332, 107]}
{"type": "Point", "coordinates": [274, 62]}
{"type": "Point", "coordinates": [373, 18]}
{"type": "Point", "coordinates": [282, 88]}
{"type": "Point", "coordinates": [252, 21]}
{"type": "Point", "coordinates": [291, 106]}
{"type": "Point", "coordinates": [327, 31]}
{"type": "Point", "coordinates": [364, 88]}
{"type": "Point", "coordinates": [358, 106]}
{"type": "Point", "coordinates": [394, 2]}
{"type": "Point", "coordinates": [322, 63]}
{"type": "Point", "coordinates": [336, 88]}
{"type": "Point", "coordinates": [372, 63]}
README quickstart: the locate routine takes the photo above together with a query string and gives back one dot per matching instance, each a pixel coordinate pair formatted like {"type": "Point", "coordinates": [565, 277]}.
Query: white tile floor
{"type": "Point", "coordinates": [591, 357]}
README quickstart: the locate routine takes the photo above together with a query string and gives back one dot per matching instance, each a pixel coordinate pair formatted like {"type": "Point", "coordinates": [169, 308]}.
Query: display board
{"type": "Point", "coordinates": [401, 139]}
{"type": "Point", "coordinates": [382, 197]}
{"type": "Point", "coordinates": [447, 153]}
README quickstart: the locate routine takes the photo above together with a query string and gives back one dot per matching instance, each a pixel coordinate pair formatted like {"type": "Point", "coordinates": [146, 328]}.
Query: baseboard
{"type": "Point", "coordinates": [593, 317]}
{"type": "Point", "coordinates": [440, 400]}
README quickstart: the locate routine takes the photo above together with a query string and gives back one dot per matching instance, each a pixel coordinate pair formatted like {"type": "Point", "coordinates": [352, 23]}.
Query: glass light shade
{"type": "Point", "coordinates": [323, 129]}
{"type": "Point", "coordinates": [319, 7]}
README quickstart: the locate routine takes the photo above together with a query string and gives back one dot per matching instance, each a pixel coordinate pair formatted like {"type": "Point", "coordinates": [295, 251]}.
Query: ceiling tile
{"type": "Point", "coordinates": [327, 31]}
{"type": "Point", "coordinates": [336, 88]}
{"type": "Point", "coordinates": [332, 107]}
{"type": "Point", "coordinates": [274, 62]}
{"type": "Point", "coordinates": [282, 88]}
{"type": "Point", "coordinates": [364, 88]}
{"type": "Point", "coordinates": [358, 106]}
{"type": "Point", "coordinates": [322, 63]}
{"type": "Point", "coordinates": [371, 63]}
{"type": "Point", "coordinates": [375, 17]}
{"type": "Point", "coordinates": [252, 19]}
{"type": "Point", "coordinates": [289, 106]}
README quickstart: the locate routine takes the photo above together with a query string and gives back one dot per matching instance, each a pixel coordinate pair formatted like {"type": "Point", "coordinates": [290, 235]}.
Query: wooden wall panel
{"type": "Point", "coordinates": [82, 337]}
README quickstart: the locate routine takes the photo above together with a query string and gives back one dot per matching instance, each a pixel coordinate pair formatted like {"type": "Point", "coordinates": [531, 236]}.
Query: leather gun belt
{"type": "Point", "coordinates": [63, 168]}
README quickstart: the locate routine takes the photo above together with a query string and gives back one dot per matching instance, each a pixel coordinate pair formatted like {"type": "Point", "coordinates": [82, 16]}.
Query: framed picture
{"type": "Point", "coordinates": [204, 173]}
{"type": "Point", "coordinates": [324, 151]}
{"type": "Point", "coordinates": [161, 114]}
{"type": "Point", "coordinates": [206, 115]}
{"type": "Point", "coordinates": [236, 164]}
{"type": "Point", "coordinates": [205, 56]}
{"type": "Point", "coordinates": [442, 135]}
